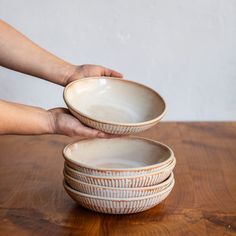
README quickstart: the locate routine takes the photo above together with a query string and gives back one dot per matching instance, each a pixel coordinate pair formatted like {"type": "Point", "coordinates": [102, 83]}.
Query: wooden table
{"type": "Point", "coordinates": [203, 202]}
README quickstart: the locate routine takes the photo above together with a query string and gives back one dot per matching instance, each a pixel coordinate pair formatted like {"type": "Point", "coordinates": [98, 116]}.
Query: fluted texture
{"type": "Point", "coordinates": [117, 173]}
{"type": "Point", "coordinates": [129, 182]}
{"type": "Point", "coordinates": [117, 192]}
{"type": "Point", "coordinates": [118, 206]}
{"type": "Point", "coordinates": [113, 128]}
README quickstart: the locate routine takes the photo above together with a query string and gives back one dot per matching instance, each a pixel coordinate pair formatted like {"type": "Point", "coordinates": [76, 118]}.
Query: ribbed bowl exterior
{"type": "Point", "coordinates": [119, 206]}
{"type": "Point", "coordinates": [123, 182]}
{"type": "Point", "coordinates": [117, 173]}
{"type": "Point", "coordinates": [113, 128]}
{"type": "Point", "coordinates": [117, 192]}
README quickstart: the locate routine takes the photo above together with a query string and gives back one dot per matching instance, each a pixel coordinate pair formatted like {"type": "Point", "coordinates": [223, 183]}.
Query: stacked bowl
{"type": "Point", "coordinates": [118, 176]}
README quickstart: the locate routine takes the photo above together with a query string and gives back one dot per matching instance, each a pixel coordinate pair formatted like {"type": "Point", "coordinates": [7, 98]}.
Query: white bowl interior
{"type": "Point", "coordinates": [117, 153]}
{"type": "Point", "coordinates": [114, 100]}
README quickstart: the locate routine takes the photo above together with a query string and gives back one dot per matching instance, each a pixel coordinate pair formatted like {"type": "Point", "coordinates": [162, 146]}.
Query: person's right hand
{"type": "Point", "coordinates": [62, 122]}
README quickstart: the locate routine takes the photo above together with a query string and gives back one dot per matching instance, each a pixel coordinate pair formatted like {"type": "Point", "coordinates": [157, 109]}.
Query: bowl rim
{"type": "Point", "coordinates": [169, 179]}
{"type": "Point", "coordinates": [120, 169]}
{"type": "Point", "coordinates": [110, 122]}
{"type": "Point", "coordinates": [68, 188]}
{"type": "Point", "coordinates": [164, 169]}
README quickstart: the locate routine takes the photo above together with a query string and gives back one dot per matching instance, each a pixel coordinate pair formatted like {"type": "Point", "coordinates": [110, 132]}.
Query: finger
{"type": "Point", "coordinates": [112, 136]}
{"type": "Point", "coordinates": [88, 132]}
{"type": "Point", "coordinates": [93, 133]}
{"type": "Point", "coordinates": [112, 73]}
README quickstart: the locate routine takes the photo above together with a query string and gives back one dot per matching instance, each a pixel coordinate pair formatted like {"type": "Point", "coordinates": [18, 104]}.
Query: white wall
{"type": "Point", "coordinates": [184, 49]}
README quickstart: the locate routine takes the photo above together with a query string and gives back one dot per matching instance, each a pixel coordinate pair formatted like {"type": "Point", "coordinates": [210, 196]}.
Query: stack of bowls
{"type": "Point", "coordinates": [118, 176]}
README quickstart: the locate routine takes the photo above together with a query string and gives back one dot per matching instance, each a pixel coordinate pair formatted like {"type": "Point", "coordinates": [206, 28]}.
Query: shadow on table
{"type": "Point", "coordinates": [90, 222]}
{"type": "Point", "coordinates": [73, 219]}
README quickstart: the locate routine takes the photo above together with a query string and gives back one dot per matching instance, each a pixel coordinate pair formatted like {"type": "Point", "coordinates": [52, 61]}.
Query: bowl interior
{"type": "Point", "coordinates": [117, 153]}
{"type": "Point", "coordinates": [114, 100]}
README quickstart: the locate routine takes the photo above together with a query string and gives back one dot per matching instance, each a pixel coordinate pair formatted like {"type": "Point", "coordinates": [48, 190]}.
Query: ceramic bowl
{"type": "Point", "coordinates": [114, 105]}
{"type": "Point", "coordinates": [103, 191]}
{"type": "Point", "coordinates": [118, 205]}
{"type": "Point", "coordinates": [123, 182]}
{"type": "Point", "coordinates": [126, 156]}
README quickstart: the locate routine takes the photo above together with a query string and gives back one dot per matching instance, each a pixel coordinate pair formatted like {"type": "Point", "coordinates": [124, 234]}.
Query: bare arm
{"type": "Point", "coordinates": [21, 119]}
{"type": "Point", "coordinates": [19, 53]}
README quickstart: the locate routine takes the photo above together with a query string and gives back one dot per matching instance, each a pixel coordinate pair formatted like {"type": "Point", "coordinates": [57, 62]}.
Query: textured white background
{"type": "Point", "coordinates": [184, 49]}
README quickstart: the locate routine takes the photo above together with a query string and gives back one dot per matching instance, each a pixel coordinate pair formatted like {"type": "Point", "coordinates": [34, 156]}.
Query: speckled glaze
{"type": "Point", "coordinates": [117, 106]}
{"type": "Point", "coordinates": [117, 192]}
{"type": "Point", "coordinates": [117, 205]}
{"type": "Point", "coordinates": [123, 182]}
{"type": "Point", "coordinates": [150, 155]}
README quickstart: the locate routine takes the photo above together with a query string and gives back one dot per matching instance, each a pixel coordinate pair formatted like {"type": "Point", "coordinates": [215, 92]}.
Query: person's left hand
{"type": "Point", "coordinates": [91, 71]}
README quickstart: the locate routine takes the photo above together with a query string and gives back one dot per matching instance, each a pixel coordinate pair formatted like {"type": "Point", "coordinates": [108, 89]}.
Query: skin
{"type": "Point", "coordinates": [19, 53]}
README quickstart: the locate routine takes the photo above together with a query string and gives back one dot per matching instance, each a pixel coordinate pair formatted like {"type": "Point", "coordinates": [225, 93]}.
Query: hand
{"type": "Point", "coordinates": [83, 71]}
{"type": "Point", "coordinates": [62, 122]}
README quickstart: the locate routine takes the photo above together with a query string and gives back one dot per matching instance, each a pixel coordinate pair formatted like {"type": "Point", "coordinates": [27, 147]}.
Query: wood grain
{"type": "Point", "coordinates": [203, 202]}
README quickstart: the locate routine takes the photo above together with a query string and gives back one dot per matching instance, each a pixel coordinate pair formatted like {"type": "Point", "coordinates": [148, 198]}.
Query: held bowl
{"type": "Point", "coordinates": [117, 157]}
{"type": "Point", "coordinates": [118, 205]}
{"type": "Point", "coordinates": [114, 105]}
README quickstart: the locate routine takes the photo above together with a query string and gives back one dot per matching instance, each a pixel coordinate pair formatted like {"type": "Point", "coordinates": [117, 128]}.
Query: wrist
{"type": "Point", "coordinates": [59, 72]}
{"type": "Point", "coordinates": [51, 122]}
{"type": "Point", "coordinates": [67, 71]}
{"type": "Point", "coordinates": [39, 121]}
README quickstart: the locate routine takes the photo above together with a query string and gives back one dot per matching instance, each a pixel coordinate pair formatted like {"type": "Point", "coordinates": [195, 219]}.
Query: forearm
{"type": "Point", "coordinates": [19, 53]}
{"type": "Point", "coordinates": [21, 119]}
